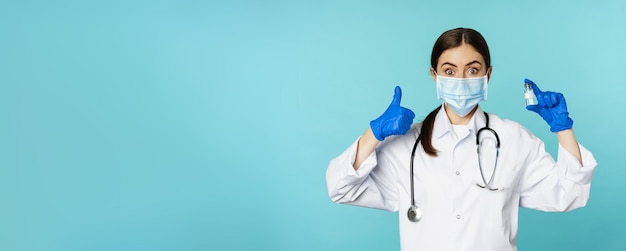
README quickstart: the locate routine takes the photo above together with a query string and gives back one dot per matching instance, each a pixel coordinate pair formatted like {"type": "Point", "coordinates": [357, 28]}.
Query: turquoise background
{"type": "Point", "coordinates": [195, 125]}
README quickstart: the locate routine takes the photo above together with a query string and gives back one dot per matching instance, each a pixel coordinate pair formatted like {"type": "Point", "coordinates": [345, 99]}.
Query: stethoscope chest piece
{"type": "Point", "coordinates": [414, 214]}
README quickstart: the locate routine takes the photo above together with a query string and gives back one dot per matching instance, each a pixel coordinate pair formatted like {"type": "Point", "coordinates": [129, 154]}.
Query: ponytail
{"type": "Point", "coordinates": [426, 133]}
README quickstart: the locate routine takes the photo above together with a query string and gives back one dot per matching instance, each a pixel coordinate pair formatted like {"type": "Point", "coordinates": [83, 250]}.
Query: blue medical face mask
{"type": "Point", "coordinates": [462, 94]}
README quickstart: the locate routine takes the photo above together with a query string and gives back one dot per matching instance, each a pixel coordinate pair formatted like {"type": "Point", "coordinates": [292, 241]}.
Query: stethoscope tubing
{"type": "Point", "coordinates": [411, 169]}
{"type": "Point", "coordinates": [412, 212]}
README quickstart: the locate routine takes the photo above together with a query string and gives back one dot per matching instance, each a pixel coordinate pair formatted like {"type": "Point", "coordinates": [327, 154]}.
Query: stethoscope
{"type": "Point", "coordinates": [415, 213]}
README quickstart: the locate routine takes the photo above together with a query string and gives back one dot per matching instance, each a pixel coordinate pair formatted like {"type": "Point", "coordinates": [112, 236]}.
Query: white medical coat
{"type": "Point", "coordinates": [456, 213]}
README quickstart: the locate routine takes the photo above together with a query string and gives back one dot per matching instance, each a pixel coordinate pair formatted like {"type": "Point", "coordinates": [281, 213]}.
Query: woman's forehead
{"type": "Point", "coordinates": [461, 56]}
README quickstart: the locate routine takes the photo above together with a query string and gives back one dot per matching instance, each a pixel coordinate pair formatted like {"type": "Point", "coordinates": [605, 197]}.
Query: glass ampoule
{"type": "Point", "coordinates": [529, 95]}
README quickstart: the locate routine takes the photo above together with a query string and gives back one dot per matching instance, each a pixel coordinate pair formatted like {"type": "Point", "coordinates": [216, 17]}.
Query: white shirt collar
{"type": "Point", "coordinates": [443, 125]}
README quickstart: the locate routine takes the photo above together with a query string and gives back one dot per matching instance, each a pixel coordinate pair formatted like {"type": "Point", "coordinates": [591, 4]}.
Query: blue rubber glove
{"type": "Point", "coordinates": [396, 120]}
{"type": "Point", "coordinates": [552, 108]}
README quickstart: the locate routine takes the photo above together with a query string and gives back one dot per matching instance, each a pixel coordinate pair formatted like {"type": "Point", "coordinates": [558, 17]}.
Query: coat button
{"type": "Point", "coordinates": [457, 172]}
{"type": "Point", "coordinates": [458, 216]}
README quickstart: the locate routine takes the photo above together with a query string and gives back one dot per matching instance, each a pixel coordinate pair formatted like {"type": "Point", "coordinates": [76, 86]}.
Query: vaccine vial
{"type": "Point", "coordinates": [529, 95]}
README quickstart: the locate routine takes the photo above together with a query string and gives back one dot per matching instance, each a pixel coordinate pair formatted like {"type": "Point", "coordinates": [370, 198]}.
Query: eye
{"type": "Point", "coordinates": [449, 72]}
{"type": "Point", "coordinates": [472, 71]}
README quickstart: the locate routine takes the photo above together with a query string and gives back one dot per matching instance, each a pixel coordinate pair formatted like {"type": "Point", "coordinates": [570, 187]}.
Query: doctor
{"type": "Point", "coordinates": [464, 200]}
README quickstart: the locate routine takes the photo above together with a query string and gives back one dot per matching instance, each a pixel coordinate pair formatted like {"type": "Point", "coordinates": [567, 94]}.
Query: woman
{"type": "Point", "coordinates": [461, 201]}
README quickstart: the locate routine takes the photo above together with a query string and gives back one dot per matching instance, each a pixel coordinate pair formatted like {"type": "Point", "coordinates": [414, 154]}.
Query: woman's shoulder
{"type": "Point", "coordinates": [509, 126]}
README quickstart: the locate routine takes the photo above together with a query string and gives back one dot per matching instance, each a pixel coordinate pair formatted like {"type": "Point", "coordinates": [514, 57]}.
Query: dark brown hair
{"type": "Point", "coordinates": [448, 40]}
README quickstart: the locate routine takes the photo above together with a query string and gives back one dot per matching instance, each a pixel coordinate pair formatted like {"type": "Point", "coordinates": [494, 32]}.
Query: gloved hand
{"type": "Point", "coordinates": [396, 120]}
{"type": "Point", "coordinates": [552, 108]}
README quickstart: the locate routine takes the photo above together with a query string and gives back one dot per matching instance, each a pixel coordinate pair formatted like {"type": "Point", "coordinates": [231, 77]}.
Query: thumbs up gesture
{"type": "Point", "coordinates": [396, 120]}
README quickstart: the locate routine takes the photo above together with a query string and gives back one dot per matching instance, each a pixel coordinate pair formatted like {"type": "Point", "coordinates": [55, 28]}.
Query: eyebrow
{"type": "Point", "coordinates": [470, 63]}
{"type": "Point", "coordinates": [474, 62]}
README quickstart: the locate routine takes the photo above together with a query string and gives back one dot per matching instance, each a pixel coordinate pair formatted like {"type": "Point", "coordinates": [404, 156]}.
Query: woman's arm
{"type": "Point", "coordinates": [396, 120]}
{"type": "Point", "coordinates": [367, 144]}
{"type": "Point", "coordinates": [561, 186]}
{"type": "Point", "coordinates": [568, 141]}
